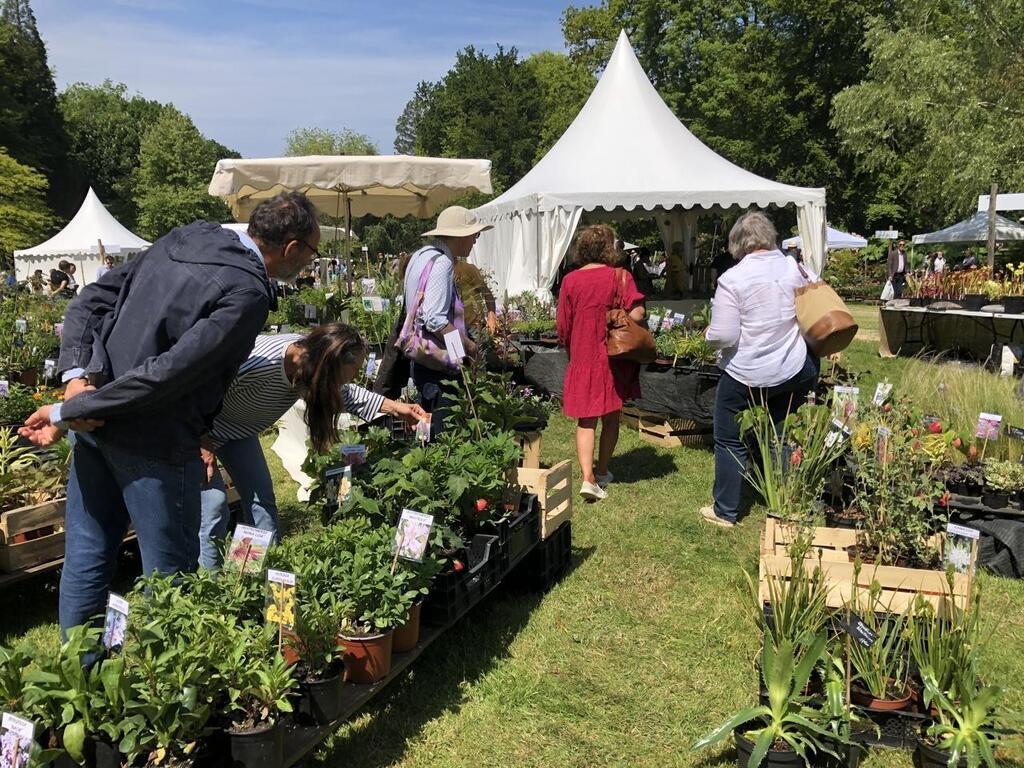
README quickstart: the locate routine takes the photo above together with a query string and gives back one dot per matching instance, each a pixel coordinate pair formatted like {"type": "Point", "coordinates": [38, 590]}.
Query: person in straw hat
{"type": "Point", "coordinates": [433, 304]}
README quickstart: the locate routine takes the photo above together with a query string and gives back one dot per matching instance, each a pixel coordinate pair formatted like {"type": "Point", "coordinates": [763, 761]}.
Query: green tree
{"type": "Point", "coordinates": [566, 85]}
{"type": "Point", "coordinates": [175, 166]}
{"type": "Point", "coordinates": [31, 126]}
{"type": "Point", "coordinates": [24, 216]}
{"type": "Point", "coordinates": [485, 107]}
{"type": "Point", "coordinates": [407, 125]}
{"type": "Point", "coordinates": [321, 141]}
{"type": "Point", "coordinates": [940, 114]}
{"type": "Point", "coordinates": [105, 129]}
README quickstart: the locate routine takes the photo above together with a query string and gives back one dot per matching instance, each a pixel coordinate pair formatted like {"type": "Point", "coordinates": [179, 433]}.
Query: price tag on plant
{"type": "Point", "coordinates": [115, 622]}
{"type": "Point", "coordinates": [49, 369]}
{"type": "Point", "coordinates": [881, 445]}
{"type": "Point", "coordinates": [5, 388]}
{"type": "Point", "coordinates": [353, 455]}
{"type": "Point", "coordinates": [959, 548]}
{"type": "Point", "coordinates": [58, 329]}
{"type": "Point", "coordinates": [413, 535]}
{"type": "Point", "coordinates": [17, 735]}
{"type": "Point", "coordinates": [279, 605]}
{"type": "Point", "coordinates": [667, 324]}
{"type": "Point", "coordinates": [678, 320]}
{"type": "Point", "coordinates": [368, 286]}
{"type": "Point", "coordinates": [837, 431]}
{"type": "Point", "coordinates": [653, 321]}
{"type": "Point", "coordinates": [882, 390]}
{"type": "Point", "coordinates": [248, 548]}
{"type": "Point", "coordinates": [988, 426]}
{"type": "Point", "coordinates": [423, 429]}
{"type": "Point", "coordinates": [21, 325]}
{"type": "Point", "coordinates": [855, 627]}
{"type": "Point", "coordinates": [844, 402]}
{"type": "Point", "coordinates": [453, 343]}
{"type": "Point", "coordinates": [371, 366]}
{"type": "Point", "coordinates": [310, 312]}
{"type": "Point", "coordinates": [1017, 433]}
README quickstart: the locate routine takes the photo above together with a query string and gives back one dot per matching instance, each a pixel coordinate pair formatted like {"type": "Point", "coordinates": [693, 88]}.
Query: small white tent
{"type": "Point", "coordinates": [79, 242]}
{"type": "Point", "coordinates": [973, 230]}
{"type": "Point", "coordinates": [625, 150]}
{"type": "Point", "coordinates": [835, 240]}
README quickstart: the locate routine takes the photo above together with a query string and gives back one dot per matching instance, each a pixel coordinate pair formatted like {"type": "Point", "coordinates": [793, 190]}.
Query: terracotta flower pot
{"type": "Point", "coordinates": [367, 659]}
{"type": "Point", "coordinates": [407, 635]}
{"type": "Point", "coordinates": [290, 647]}
{"type": "Point", "coordinates": [863, 698]}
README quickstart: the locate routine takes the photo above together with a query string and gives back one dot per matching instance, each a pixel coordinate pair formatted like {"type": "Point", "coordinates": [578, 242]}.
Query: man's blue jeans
{"type": "Point", "coordinates": [244, 461]}
{"type": "Point", "coordinates": [733, 397]}
{"type": "Point", "coordinates": [107, 490]}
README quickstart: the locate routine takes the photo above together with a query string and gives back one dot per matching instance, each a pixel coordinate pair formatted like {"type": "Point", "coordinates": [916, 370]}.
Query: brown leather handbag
{"type": "Point", "coordinates": [825, 322]}
{"type": "Point", "coordinates": [627, 339]}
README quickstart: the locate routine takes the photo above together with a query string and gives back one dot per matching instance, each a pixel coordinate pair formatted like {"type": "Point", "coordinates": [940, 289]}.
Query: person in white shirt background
{"type": "Point", "coordinates": [764, 358]}
{"type": "Point", "coordinates": [939, 264]}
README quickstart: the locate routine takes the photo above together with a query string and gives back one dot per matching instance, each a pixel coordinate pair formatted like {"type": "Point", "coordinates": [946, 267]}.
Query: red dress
{"type": "Point", "coordinates": [594, 385]}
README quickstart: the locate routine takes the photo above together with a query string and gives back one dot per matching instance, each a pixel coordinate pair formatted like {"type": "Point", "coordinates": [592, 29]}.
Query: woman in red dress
{"type": "Point", "coordinates": [595, 387]}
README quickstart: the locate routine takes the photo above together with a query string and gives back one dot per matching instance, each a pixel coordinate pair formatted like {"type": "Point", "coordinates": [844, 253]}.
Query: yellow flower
{"type": "Point", "coordinates": [37, 395]}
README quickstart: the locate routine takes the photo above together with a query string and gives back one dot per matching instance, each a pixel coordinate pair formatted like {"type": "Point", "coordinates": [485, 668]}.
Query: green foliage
{"type": "Point", "coordinates": [880, 669]}
{"type": "Point", "coordinates": [322, 141]}
{"type": "Point", "coordinates": [25, 217]}
{"type": "Point", "coordinates": [175, 166]}
{"type": "Point", "coordinates": [970, 729]}
{"type": "Point", "coordinates": [406, 127]}
{"type": "Point", "coordinates": [497, 404]}
{"type": "Point", "coordinates": [27, 351]}
{"type": "Point", "coordinates": [1007, 476]}
{"type": "Point", "coordinates": [27, 477]}
{"type": "Point", "coordinates": [945, 648]}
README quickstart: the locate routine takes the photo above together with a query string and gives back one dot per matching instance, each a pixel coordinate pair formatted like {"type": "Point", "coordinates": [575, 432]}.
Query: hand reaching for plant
{"type": "Point", "coordinates": [410, 413]}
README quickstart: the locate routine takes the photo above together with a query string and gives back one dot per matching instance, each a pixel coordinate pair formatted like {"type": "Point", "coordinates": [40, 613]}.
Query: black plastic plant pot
{"type": "Point", "coordinates": [782, 758]}
{"type": "Point", "coordinates": [261, 747]}
{"type": "Point", "coordinates": [1013, 305]}
{"type": "Point", "coordinates": [995, 499]}
{"type": "Point", "coordinates": [850, 756]}
{"type": "Point", "coordinates": [321, 699]}
{"type": "Point", "coordinates": [973, 302]}
{"type": "Point", "coordinates": [930, 757]}
{"type": "Point", "coordinates": [97, 753]}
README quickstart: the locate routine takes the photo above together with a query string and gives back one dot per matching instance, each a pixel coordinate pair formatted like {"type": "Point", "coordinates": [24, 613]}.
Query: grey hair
{"type": "Point", "coordinates": [753, 231]}
{"type": "Point", "coordinates": [283, 218]}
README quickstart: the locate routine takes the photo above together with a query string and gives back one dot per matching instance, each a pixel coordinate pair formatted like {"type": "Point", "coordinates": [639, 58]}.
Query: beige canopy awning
{"type": "Point", "coordinates": [399, 185]}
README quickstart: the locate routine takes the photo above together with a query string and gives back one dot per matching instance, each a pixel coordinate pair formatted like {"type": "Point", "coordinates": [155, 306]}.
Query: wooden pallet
{"type": "Point", "coordinates": [17, 552]}
{"type": "Point", "coordinates": [554, 492]}
{"type": "Point", "coordinates": [665, 432]}
{"type": "Point", "coordinates": [529, 444]}
{"type": "Point", "coordinates": [900, 586]}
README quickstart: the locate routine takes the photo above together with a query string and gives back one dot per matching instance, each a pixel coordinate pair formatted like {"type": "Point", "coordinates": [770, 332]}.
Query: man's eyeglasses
{"type": "Point", "coordinates": [316, 253]}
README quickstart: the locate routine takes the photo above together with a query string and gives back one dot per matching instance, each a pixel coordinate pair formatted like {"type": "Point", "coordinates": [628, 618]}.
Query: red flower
{"type": "Point", "coordinates": [944, 501]}
{"type": "Point", "coordinates": [458, 566]}
{"type": "Point", "coordinates": [481, 505]}
{"type": "Point", "coordinates": [917, 445]}
{"type": "Point", "coordinates": [796, 457]}
{"type": "Point", "coordinates": [935, 427]}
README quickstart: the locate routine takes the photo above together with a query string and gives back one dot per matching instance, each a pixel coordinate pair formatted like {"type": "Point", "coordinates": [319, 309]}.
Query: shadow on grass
{"type": "Point", "coordinates": [639, 464]}
{"type": "Point", "coordinates": [435, 685]}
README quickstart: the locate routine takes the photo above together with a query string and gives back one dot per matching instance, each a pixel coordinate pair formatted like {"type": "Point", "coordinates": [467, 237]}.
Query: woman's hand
{"type": "Point", "coordinates": [410, 413]}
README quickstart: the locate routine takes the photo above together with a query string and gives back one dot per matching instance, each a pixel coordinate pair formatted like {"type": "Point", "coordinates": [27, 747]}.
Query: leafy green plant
{"type": "Point", "coordinates": [970, 729]}
{"type": "Point", "coordinates": [256, 679]}
{"type": "Point", "coordinates": [1006, 476]}
{"type": "Point", "coordinates": [785, 719]}
{"type": "Point", "coordinates": [881, 669]}
{"type": "Point", "coordinates": [796, 611]}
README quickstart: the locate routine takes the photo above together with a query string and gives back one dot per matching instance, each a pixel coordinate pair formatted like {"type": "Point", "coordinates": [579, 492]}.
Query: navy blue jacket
{"type": "Point", "coordinates": [163, 335]}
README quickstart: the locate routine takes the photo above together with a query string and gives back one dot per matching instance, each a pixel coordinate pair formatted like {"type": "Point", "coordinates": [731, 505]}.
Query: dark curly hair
{"type": "Point", "coordinates": [596, 245]}
{"type": "Point", "coordinates": [283, 218]}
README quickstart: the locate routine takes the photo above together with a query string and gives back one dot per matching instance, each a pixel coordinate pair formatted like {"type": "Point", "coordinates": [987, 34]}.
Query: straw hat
{"type": "Point", "coordinates": [457, 221]}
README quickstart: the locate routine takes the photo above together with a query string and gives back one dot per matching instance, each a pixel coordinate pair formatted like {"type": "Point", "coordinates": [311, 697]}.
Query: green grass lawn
{"type": "Point", "coordinates": [647, 644]}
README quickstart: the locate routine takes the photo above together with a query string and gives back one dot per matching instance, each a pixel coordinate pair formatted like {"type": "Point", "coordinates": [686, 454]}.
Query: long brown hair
{"type": "Point", "coordinates": [325, 350]}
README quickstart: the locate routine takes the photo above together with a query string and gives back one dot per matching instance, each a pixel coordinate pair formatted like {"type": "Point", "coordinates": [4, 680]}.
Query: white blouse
{"type": "Point", "coordinates": [753, 320]}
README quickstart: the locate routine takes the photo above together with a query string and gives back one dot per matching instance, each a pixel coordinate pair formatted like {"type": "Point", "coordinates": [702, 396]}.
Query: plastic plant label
{"type": "Point", "coordinates": [275, 328]}
{"type": "Point", "coordinates": [988, 426]}
{"type": "Point", "coordinates": [368, 286]}
{"type": "Point", "coordinates": [345, 488]}
{"type": "Point", "coordinates": [353, 455]}
{"type": "Point", "coordinates": [115, 622]}
{"type": "Point", "coordinates": [5, 388]}
{"type": "Point", "coordinates": [310, 312]}
{"type": "Point", "coordinates": [678, 320]}
{"type": "Point", "coordinates": [58, 329]}
{"type": "Point", "coordinates": [248, 548]}
{"type": "Point", "coordinates": [453, 343]}
{"type": "Point", "coordinates": [667, 324]}
{"type": "Point", "coordinates": [959, 549]}
{"type": "Point", "coordinates": [1017, 433]}
{"type": "Point", "coordinates": [844, 402]}
{"type": "Point", "coordinates": [332, 482]}
{"type": "Point", "coordinates": [17, 735]}
{"type": "Point", "coordinates": [423, 429]}
{"type": "Point", "coordinates": [371, 365]}
{"type": "Point", "coordinates": [837, 431]}
{"type": "Point", "coordinates": [49, 369]}
{"type": "Point", "coordinates": [881, 445]}
{"type": "Point", "coordinates": [855, 627]}
{"type": "Point", "coordinates": [882, 391]}
{"type": "Point", "coordinates": [413, 535]}
{"type": "Point", "coordinates": [653, 323]}
{"type": "Point", "coordinates": [279, 605]}
{"type": "Point", "coordinates": [366, 249]}
{"type": "Point", "coordinates": [21, 325]}
{"type": "Point", "coordinates": [373, 304]}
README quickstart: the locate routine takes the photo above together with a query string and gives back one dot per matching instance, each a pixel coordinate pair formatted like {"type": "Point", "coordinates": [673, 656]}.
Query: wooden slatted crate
{"type": "Point", "coordinates": [665, 432]}
{"type": "Point", "coordinates": [19, 523]}
{"type": "Point", "coordinates": [553, 488]}
{"type": "Point", "coordinates": [900, 586]}
{"type": "Point", "coordinates": [529, 444]}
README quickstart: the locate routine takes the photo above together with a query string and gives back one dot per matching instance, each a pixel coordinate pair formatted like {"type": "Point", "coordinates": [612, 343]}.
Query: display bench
{"type": "Point", "coordinates": [906, 330]}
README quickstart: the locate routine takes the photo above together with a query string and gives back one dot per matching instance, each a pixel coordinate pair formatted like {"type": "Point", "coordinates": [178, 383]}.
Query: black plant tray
{"type": "Point", "coordinates": [453, 594]}
{"type": "Point", "coordinates": [519, 534]}
{"type": "Point", "coordinates": [548, 562]}
{"type": "Point", "coordinates": [896, 730]}
{"type": "Point", "coordinates": [973, 504]}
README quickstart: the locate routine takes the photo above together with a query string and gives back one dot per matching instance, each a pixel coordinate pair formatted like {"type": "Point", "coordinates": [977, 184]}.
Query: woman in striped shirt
{"type": "Point", "coordinates": [282, 368]}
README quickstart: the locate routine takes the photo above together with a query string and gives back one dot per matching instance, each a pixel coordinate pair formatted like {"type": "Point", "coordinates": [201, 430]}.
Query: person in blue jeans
{"type": "Point", "coordinates": [147, 353]}
{"type": "Point", "coordinates": [763, 357]}
{"type": "Point", "coordinates": [283, 368]}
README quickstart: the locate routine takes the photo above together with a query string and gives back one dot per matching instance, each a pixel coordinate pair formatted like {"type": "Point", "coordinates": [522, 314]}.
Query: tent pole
{"type": "Point", "coordinates": [992, 226]}
{"type": "Point", "coordinates": [348, 241]}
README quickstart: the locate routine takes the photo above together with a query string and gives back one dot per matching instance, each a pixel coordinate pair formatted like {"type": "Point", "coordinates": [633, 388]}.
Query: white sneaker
{"type": "Point", "coordinates": [605, 480]}
{"type": "Point", "coordinates": [592, 492]}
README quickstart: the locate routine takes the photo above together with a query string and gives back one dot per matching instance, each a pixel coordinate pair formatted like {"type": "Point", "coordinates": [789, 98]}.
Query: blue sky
{"type": "Point", "coordinates": [249, 71]}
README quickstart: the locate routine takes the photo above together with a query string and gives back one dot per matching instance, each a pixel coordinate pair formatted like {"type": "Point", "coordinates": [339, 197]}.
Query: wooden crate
{"type": "Point", "coordinates": [666, 432]}
{"type": "Point", "coordinates": [900, 586]}
{"type": "Point", "coordinates": [27, 520]}
{"type": "Point", "coordinates": [529, 444]}
{"type": "Point", "coordinates": [554, 491]}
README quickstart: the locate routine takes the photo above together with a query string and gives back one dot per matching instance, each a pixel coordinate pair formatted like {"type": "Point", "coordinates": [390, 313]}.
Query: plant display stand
{"type": "Point", "coordinates": [31, 536]}
{"type": "Point", "coordinates": [900, 586]}
{"type": "Point", "coordinates": [553, 489]}
{"type": "Point", "coordinates": [667, 432]}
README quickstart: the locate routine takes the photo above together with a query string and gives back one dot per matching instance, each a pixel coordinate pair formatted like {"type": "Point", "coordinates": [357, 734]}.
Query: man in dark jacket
{"type": "Point", "coordinates": [148, 352]}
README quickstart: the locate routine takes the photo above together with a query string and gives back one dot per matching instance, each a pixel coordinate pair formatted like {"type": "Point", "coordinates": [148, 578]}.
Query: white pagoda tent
{"type": "Point", "coordinates": [79, 243]}
{"type": "Point", "coordinates": [835, 240]}
{"type": "Point", "coordinates": [626, 153]}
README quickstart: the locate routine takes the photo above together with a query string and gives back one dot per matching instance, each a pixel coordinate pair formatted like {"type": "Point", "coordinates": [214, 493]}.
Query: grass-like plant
{"type": "Point", "coordinates": [970, 729]}
{"type": "Point", "coordinates": [880, 669]}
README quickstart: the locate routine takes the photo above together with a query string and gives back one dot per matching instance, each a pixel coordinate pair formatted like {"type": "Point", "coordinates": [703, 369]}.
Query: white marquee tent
{"type": "Point", "coordinates": [973, 230]}
{"type": "Point", "coordinates": [625, 151]}
{"type": "Point", "coordinates": [834, 240]}
{"type": "Point", "coordinates": [79, 242]}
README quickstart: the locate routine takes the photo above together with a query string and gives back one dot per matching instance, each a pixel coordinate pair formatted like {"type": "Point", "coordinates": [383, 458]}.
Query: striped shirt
{"type": "Point", "coordinates": [261, 393]}
{"type": "Point", "coordinates": [436, 311]}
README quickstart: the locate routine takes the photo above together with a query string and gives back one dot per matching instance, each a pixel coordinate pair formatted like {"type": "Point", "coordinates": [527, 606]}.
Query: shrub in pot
{"type": "Point", "coordinates": [880, 672]}
{"type": "Point", "coordinates": [319, 667]}
{"type": "Point", "coordinates": [407, 634]}
{"type": "Point", "coordinates": [785, 731]}
{"type": "Point", "coordinates": [944, 648]}
{"type": "Point", "coordinates": [1001, 479]}
{"type": "Point", "coordinates": [965, 733]}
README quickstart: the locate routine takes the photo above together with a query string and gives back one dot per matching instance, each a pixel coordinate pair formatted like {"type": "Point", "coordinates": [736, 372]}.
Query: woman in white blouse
{"type": "Point", "coordinates": [764, 359]}
{"type": "Point", "coordinates": [317, 367]}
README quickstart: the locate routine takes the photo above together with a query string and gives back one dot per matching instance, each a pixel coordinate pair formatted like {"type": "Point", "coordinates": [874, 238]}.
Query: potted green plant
{"type": "Point", "coordinates": [785, 731]}
{"type": "Point", "coordinates": [944, 647]}
{"type": "Point", "coordinates": [1000, 482]}
{"type": "Point", "coordinates": [880, 672]}
{"type": "Point", "coordinates": [407, 634]}
{"type": "Point", "coordinates": [319, 668]}
{"type": "Point", "coordinates": [965, 733]}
